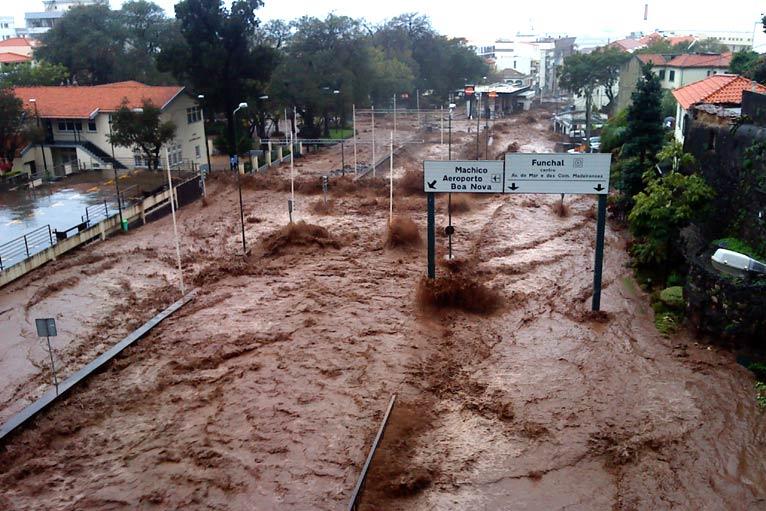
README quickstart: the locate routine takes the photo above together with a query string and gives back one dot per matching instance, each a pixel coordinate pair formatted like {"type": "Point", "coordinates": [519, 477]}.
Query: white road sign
{"type": "Point", "coordinates": [557, 173]}
{"type": "Point", "coordinates": [463, 176]}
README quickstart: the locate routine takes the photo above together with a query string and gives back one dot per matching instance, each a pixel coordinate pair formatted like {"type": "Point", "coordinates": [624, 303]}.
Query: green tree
{"type": "Point", "coordinates": [322, 57]}
{"type": "Point", "coordinates": [11, 127]}
{"type": "Point", "coordinates": [28, 75]}
{"type": "Point", "coordinates": [391, 77]}
{"type": "Point", "coordinates": [673, 153]}
{"type": "Point", "coordinates": [613, 132]}
{"type": "Point", "coordinates": [644, 134]}
{"type": "Point", "coordinates": [581, 74]}
{"type": "Point", "coordinates": [146, 30]}
{"type": "Point", "coordinates": [143, 129]}
{"type": "Point", "coordinates": [609, 60]}
{"type": "Point", "coordinates": [660, 212]}
{"type": "Point", "coordinates": [709, 45]}
{"type": "Point", "coordinates": [215, 54]}
{"type": "Point", "coordinates": [90, 41]}
{"type": "Point", "coordinates": [668, 104]}
{"type": "Point", "coordinates": [742, 62]}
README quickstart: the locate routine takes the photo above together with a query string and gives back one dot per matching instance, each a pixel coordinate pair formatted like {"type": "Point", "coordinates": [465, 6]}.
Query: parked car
{"type": "Point", "coordinates": [595, 144]}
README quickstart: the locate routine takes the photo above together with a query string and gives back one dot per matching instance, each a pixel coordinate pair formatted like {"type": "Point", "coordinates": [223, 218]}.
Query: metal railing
{"type": "Point", "coordinates": [26, 246]}
{"type": "Point", "coordinates": [96, 213]}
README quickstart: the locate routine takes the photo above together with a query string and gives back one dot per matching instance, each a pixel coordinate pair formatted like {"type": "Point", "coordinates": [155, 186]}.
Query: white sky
{"type": "Point", "coordinates": [594, 19]}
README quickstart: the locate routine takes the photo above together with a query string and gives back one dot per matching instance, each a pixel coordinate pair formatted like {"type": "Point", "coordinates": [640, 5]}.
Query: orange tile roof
{"type": "Point", "coordinates": [13, 58]}
{"type": "Point", "coordinates": [716, 89]}
{"type": "Point", "coordinates": [81, 102]}
{"type": "Point", "coordinates": [680, 39]}
{"type": "Point", "coordinates": [15, 41]}
{"type": "Point", "coordinates": [654, 58]}
{"type": "Point", "coordinates": [701, 60]}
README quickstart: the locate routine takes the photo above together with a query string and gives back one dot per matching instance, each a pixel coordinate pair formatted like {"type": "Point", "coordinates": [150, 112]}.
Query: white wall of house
{"type": "Point", "coordinates": [684, 76]}
{"type": "Point", "coordinates": [189, 135]}
{"type": "Point", "coordinates": [681, 120]}
{"type": "Point", "coordinates": [188, 145]}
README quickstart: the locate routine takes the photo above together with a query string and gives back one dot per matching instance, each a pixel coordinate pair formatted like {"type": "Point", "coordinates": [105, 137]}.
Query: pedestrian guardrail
{"type": "Point", "coordinates": [26, 246]}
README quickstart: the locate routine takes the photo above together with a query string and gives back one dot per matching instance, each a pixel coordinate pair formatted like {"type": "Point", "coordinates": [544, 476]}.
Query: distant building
{"type": "Point", "coordinates": [40, 22]}
{"type": "Point", "coordinates": [75, 120]}
{"type": "Point", "coordinates": [722, 90]}
{"type": "Point", "coordinates": [673, 71]}
{"type": "Point", "coordinates": [529, 55]}
{"type": "Point", "coordinates": [7, 27]}
{"type": "Point", "coordinates": [15, 50]}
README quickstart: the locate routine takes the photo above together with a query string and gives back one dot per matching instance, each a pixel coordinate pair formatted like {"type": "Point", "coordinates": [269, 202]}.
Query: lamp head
{"type": "Point", "coordinates": [243, 105]}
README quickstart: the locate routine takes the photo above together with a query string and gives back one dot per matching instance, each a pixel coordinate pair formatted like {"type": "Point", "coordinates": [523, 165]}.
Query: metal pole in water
{"type": "Point", "coordinates": [175, 230]}
{"type": "Point", "coordinates": [598, 266]}
{"type": "Point", "coordinates": [391, 181]}
{"type": "Point", "coordinates": [442, 126]}
{"type": "Point", "coordinates": [431, 235]}
{"type": "Point", "coordinates": [353, 117]}
{"type": "Point", "coordinates": [53, 367]}
{"type": "Point", "coordinates": [292, 168]}
{"type": "Point", "coordinates": [372, 109]}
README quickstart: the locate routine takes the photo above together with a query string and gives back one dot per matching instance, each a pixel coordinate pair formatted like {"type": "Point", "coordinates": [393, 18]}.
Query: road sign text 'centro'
{"type": "Point", "coordinates": [463, 176]}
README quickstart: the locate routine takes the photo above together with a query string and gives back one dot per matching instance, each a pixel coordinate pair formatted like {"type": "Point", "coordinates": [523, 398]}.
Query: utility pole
{"type": "Point", "coordinates": [239, 183]}
{"type": "Point", "coordinates": [175, 226]}
{"type": "Point", "coordinates": [123, 225]}
{"type": "Point", "coordinates": [478, 121]}
{"type": "Point", "coordinates": [201, 97]}
{"type": "Point", "coordinates": [372, 108]}
{"type": "Point", "coordinates": [353, 124]}
{"type": "Point", "coordinates": [417, 105]}
{"type": "Point", "coordinates": [442, 125]}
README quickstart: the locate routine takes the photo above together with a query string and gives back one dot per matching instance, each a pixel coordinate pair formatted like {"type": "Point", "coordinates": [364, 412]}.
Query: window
{"type": "Point", "coordinates": [70, 125]}
{"type": "Point", "coordinates": [711, 141]}
{"type": "Point", "coordinates": [672, 76]}
{"type": "Point", "coordinates": [197, 152]}
{"type": "Point", "coordinates": [662, 74]}
{"type": "Point", "coordinates": [139, 158]}
{"type": "Point", "coordinates": [193, 114]}
{"type": "Point", "coordinates": [174, 154]}
{"type": "Point", "coordinates": [92, 125]}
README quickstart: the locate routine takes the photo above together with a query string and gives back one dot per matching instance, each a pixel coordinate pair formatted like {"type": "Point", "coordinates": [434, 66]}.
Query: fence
{"type": "Point", "coordinates": [24, 254]}
{"type": "Point", "coordinates": [96, 213]}
{"type": "Point", "coordinates": [25, 246]}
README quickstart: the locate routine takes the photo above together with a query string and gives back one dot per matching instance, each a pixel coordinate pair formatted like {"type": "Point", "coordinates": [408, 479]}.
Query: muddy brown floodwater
{"type": "Point", "coordinates": [266, 391]}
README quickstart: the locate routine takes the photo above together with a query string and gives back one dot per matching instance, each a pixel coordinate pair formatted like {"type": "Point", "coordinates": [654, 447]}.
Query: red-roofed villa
{"type": "Point", "coordinates": [724, 90]}
{"type": "Point", "coordinates": [76, 119]}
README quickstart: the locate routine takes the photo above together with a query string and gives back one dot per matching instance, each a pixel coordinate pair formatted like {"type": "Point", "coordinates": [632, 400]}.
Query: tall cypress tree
{"type": "Point", "coordinates": [644, 134]}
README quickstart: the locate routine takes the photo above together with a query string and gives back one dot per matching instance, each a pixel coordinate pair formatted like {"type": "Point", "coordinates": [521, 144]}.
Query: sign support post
{"type": "Point", "coordinates": [431, 234]}
{"type": "Point", "coordinates": [46, 327]}
{"type": "Point", "coordinates": [599, 263]}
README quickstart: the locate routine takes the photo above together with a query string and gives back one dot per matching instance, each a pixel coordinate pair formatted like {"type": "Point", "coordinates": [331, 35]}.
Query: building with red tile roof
{"type": "Point", "coordinates": [85, 102]}
{"type": "Point", "coordinates": [13, 58]}
{"type": "Point", "coordinates": [673, 71]}
{"type": "Point", "coordinates": [722, 89]}
{"type": "Point", "coordinates": [20, 45]}
{"type": "Point", "coordinates": [76, 121]}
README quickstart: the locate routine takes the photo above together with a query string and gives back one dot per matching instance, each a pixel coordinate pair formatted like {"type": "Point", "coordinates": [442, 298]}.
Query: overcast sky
{"type": "Point", "coordinates": [503, 18]}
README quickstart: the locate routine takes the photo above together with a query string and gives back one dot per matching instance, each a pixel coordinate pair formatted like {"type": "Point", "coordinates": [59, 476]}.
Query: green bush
{"type": "Point", "coordinates": [660, 212]}
{"type": "Point", "coordinates": [673, 297]}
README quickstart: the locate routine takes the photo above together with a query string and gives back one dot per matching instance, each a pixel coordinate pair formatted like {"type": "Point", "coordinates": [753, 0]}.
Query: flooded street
{"type": "Point", "coordinates": [62, 204]}
{"type": "Point", "coordinates": [266, 391]}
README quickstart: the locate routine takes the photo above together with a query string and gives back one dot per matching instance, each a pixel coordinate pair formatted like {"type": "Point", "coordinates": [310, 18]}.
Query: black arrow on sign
{"type": "Point", "coordinates": [513, 186]}
{"type": "Point", "coordinates": [432, 184]}
{"type": "Point", "coordinates": [598, 188]}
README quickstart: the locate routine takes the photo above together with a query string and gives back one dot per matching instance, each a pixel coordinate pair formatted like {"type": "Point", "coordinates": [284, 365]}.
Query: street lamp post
{"type": "Point", "coordinates": [235, 160]}
{"type": "Point", "coordinates": [116, 179]}
{"type": "Point", "coordinates": [201, 97]}
{"type": "Point", "coordinates": [42, 146]}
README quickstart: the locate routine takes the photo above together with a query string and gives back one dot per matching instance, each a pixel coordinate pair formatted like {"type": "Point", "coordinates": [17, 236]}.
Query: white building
{"type": "Point", "coordinates": [7, 27]}
{"type": "Point", "coordinates": [75, 120]}
{"type": "Point", "coordinates": [40, 22]}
